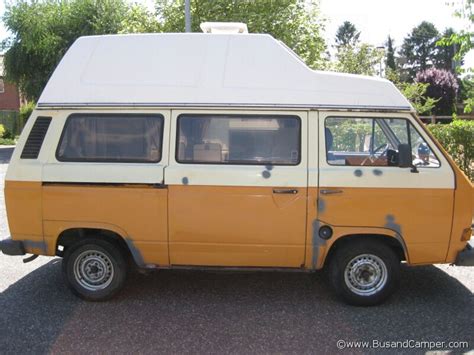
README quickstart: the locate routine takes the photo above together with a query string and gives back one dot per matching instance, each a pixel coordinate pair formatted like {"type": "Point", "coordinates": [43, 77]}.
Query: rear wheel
{"type": "Point", "coordinates": [94, 269]}
{"type": "Point", "coordinates": [364, 273]}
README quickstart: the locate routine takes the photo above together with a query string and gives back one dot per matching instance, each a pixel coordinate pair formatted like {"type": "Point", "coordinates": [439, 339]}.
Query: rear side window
{"type": "Point", "coordinates": [238, 139]}
{"type": "Point", "coordinates": [120, 138]}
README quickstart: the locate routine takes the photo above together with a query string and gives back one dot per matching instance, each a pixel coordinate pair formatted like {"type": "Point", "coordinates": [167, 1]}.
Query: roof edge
{"type": "Point", "coordinates": [53, 105]}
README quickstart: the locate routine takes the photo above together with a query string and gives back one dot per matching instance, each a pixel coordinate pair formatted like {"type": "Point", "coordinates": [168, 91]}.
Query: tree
{"type": "Point", "coordinates": [415, 93]}
{"type": "Point", "coordinates": [419, 49]}
{"type": "Point", "coordinates": [463, 39]}
{"type": "Point", "coordinates": [466, 91]}
{"type": "Point", "coordinates": [347, 35]}
{"type": "Point", "coordinates": [445, 58]}
{"type": "Point", "coordinates": [390, 56]}
{"type": "Point", "coordinates": [464, 43]}
{"type": "Point", "coordinates": [295, 22]}
{"type": "Point", "coordinates": [361, 59]}
{"type": "Point", "coordinates": [443, 87]}
{"type": "Point", "coordinates": [43, 31]}
{"type": "Point", "coordinates": [140, 20]}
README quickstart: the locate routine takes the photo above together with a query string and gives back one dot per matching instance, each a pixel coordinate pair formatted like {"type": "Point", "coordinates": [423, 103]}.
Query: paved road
{"type": "Point", "coordinates": [217, 312]}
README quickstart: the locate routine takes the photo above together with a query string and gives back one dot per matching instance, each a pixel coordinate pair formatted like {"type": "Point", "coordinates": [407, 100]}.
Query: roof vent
{"type": "Point", "coordinates": [224, 27]}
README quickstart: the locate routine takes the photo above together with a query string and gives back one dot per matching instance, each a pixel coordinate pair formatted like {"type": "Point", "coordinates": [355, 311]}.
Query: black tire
{"type": "Point", "coordinates": [353, 283]}
{"type": "Point", "coordinates": [91, 258]}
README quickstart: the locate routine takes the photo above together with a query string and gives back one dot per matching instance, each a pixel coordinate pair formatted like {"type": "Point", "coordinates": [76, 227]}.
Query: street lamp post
{"type": "Point", "coordinates": [381, 50]}
{"type": "Point", "coordinates": [187, 15]}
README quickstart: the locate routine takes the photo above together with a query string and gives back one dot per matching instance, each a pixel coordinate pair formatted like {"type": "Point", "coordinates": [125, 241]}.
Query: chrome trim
{"type": "Point", "coordinates": [58, 105]}
{"type": "Point", "coordinates": [331, 192]}
{"type": "Point", "coordinates": [285, 191]}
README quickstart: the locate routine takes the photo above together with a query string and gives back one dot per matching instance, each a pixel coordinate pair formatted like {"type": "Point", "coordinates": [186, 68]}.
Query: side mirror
{"type": "Point", "coordinates": [404, 156]}
{"type": "Point", "coordinates": [405, 159]}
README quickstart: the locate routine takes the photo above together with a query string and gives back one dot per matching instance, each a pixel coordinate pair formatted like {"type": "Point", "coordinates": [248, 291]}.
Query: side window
{"type": "Point", "coordinates": [356, 141]}
{"type": "Point", "coordinates": [422, 154]}
{"type": "Point", "coordinates": [238, 139]}
{"type": "Point", "coordinates": [118, 138]}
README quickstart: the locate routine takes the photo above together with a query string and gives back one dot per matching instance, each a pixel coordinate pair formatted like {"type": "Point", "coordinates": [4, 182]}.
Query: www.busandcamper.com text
{"type": "Point", "coordinates": [402, 344]}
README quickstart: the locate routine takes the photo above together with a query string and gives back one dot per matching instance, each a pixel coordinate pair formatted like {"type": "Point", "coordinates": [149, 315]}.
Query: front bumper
{"type": "Point", "coordinates": [12, 247]}
{"type": "Point", "coordinates": [466, 256]}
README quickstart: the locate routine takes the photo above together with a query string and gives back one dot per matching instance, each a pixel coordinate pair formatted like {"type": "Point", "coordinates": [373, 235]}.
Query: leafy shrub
{"type": "Point", "coordinates": [10, 122]}
{"type": "Point", "coordinates": [457, 138]}
{"type": "Point", "coordinates": [416, 94]}
{"type": "Point", "coordinates": [466, 93]}
{"type": "Point", "coordinates": [5, 136]}
{"type": "Point", "coordinates": [25, 113]}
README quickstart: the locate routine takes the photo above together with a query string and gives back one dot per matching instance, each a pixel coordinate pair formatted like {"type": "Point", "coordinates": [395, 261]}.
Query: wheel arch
{"type": "Point", "coordinates": [73, 234]}
{"type": "Point", "coordinates": [395, 242]}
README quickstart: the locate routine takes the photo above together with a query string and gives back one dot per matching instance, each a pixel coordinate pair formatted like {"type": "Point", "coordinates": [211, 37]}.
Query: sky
{"type": "Point", "coordinates": [376, 19]}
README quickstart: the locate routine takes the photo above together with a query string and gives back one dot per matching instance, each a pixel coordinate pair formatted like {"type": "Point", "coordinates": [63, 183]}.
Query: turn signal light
{"type": "Point", "coordinates": [466, 234]}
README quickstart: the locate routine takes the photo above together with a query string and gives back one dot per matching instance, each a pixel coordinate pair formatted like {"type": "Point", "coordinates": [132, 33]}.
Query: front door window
{"type": "Point", "coordinates": [354, 141]}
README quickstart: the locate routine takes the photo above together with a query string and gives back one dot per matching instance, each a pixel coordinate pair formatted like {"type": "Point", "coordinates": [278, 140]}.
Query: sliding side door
{"type": "Point", "coordinates": [237, 188]}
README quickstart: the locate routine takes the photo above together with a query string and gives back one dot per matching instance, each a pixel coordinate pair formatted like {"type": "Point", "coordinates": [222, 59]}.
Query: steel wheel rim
{"type": "Point", "coordinates": [93, 270]}
{"type": "Point", "coordinates": [366, 274]}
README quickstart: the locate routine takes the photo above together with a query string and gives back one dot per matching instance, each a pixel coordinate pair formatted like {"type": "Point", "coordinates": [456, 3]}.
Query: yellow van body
{"type": "Point", "coordinates": [239, 226]}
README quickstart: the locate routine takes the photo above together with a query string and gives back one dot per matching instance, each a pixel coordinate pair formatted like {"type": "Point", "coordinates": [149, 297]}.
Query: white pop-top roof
{"type": "Point", "coordinates": [199, 69]}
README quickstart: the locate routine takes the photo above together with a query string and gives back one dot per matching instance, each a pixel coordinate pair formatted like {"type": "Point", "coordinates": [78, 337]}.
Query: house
{"type": "Point", "coordinates": [9, 94]}
{"type": "Point", "coordinates": [10, 101]}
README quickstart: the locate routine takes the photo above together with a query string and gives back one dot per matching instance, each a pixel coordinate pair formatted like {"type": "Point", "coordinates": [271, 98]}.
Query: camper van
{"type": "Point", "coordinates": [224, 150]}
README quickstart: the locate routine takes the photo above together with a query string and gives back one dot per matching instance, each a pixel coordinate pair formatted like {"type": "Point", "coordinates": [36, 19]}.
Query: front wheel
{"type": "Point", "coordinates": [94, 269]}
{"type": "Point", "coordinates": [364, 273]}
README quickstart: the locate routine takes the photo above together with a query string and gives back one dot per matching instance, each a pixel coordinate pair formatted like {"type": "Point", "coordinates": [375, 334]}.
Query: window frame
{"type": "Point", "coordinates": [236, 115]}
{"type": "Point", "coordinates": [408, 123]}
{"type": "Point", "coordinates": [112, 161]}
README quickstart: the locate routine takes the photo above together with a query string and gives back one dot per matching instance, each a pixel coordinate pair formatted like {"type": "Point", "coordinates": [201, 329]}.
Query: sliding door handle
{"type": "Point", "coordinates": [331, 192]}
{"type": "Point", "coordinates": [285, 191]}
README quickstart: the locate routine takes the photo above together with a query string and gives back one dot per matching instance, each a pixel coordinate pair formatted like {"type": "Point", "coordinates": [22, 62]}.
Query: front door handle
{"type": "Point", "coordinates": [331, 192]}
{"type": "Point", "coordinates": [285, 191]}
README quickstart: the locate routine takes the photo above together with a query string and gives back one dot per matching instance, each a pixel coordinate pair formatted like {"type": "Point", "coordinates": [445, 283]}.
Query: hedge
{"type": "Point", "coordinates": [4, 139]}
{"type": "Point", "coordinates": [10, 122]}
{"type": "Point", "coordinates": [458, 140]}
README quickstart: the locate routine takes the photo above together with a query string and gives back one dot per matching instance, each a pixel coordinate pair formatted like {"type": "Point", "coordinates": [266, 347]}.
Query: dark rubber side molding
{"type": "Point", "coordinates": [12, 247]}
{"type": "Point", "coordinates": [466, 257]}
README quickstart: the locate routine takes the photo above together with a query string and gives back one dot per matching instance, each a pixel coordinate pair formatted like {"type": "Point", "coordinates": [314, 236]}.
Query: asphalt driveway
{"type": "Point", "coordinates": [224, 312]}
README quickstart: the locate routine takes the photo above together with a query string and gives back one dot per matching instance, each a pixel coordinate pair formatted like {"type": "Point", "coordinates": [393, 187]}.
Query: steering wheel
{"type": "Point", "coordinates": [384, 146]}
{"type": "Point", "coordinates": [372, 156]}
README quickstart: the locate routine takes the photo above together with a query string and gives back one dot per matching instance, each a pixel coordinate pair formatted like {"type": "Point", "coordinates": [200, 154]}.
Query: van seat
{"type": "Point", "coordinates": [211, 152]}
{"type": "Point", "coordinates": [182, 151]}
